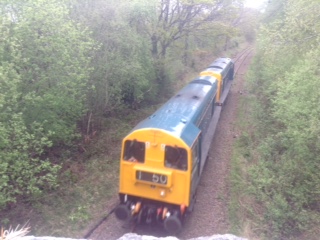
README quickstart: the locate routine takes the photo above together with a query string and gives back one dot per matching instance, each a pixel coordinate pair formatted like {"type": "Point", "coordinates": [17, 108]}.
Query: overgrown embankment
{"type": "Point", "coordinates": [276, 170]}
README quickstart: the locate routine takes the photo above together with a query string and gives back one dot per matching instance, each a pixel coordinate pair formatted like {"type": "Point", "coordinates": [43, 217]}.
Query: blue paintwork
{"type": "Point", "coordinates": [180, 115]}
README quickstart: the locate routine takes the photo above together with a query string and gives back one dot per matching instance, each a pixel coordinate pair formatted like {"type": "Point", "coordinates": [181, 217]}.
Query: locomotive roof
{"type": "Point", "coordinates": [179, 115]}
{"type": "Point", "coordinates": [219, 65]}
{"type": "Point", "coordinates": [220, 62]}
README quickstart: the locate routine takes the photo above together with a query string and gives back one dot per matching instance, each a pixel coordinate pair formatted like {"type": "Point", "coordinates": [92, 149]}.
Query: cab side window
{"type": "Point", "coordinates": [176, 157]}
{"type": "Point", "coordinates": [134, 151]}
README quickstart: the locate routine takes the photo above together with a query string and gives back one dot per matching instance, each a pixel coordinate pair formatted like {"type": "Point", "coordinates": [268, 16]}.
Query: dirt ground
{"type": "Point", "coordinates": [210, 215]}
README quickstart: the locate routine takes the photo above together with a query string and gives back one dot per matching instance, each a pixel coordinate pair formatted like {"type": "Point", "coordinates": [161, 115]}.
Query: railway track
{"type": "Point", "coordinates": [238, 61]}
{"type": "Point", "coordinates": [241, 58]}
{"type": "Point", "coordinates": [102, 220]}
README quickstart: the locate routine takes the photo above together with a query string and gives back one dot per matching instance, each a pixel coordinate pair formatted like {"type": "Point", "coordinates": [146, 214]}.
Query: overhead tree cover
{"type": "Point", "coordinates": [139, 39]}
{"type": "Point", "coordinates": [178, 19]}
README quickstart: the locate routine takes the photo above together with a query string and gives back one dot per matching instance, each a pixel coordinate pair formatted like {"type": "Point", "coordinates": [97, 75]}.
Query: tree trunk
{"type": "Point", "coordinates": [154, 42]}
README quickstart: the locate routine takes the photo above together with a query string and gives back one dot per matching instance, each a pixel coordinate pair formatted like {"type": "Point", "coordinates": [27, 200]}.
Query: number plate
{"type": "Point", "coordinates": [152, 177]}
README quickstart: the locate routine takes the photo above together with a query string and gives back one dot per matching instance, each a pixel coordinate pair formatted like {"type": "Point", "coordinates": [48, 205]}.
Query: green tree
{"type": "Point", "coordinates": [123, 69]}
{"type": "Point", "coordinates": [286, 179]}
{"type": "Point", "coordinates": [23, 173]}
{"type": "Point", "coordinates": [176, 19]}
{"type": "Point", "coordinates": [54, 65]}
{"type": "Point", "coordinates": [44, 69]}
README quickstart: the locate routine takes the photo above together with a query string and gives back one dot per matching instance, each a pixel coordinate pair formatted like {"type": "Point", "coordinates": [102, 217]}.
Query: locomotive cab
{"type": "Point", "coordinates": [154, 178]}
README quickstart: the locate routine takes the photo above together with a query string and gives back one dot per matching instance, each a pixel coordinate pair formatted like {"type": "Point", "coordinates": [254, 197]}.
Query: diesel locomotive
{"type": "Point", "coordinates": [223, 70]}
{"type": "Point", "coordinates": [162, 158]}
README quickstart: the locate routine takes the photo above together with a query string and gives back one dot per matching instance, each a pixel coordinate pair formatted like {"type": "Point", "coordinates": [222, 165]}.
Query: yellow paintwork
{"type": "Point", "coordinates": [219, 78]}
{"type": "Point", "coordinates": [177, 189]}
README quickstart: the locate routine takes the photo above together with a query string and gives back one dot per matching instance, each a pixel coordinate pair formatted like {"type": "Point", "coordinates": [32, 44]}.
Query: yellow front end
{"type": "Point", "coordinates": [155, 165]}
{"type": "Point", "coordinates": [220, 83]}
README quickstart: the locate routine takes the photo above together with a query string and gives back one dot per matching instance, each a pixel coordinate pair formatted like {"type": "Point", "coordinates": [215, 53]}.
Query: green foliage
{"type": "Point", "coordinates": [139, 39]}
{"type": "Point", "coordinates": [285, 187]}
{"type": "Point", "coordinates": [43, 77]}
{"type": "Point", "coordinates": [79, 214]}
{"type": "Point", "coordinates": [53, 65]}
{"type": "Point", "coordinates": [179, 22]}
{"type": "Point", "coordinates": [286, 179]}
{"type": "Point", "coordinates": [23, 173]}
{"type": "Point", "coordinates": [123, 73]}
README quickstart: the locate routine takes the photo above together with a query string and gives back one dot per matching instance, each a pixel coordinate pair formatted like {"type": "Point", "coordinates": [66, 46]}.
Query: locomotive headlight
{"type": "Point", "coordinates": [162, 193]}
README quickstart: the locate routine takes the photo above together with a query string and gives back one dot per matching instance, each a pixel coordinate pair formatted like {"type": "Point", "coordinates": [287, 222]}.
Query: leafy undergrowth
{"type": "Point", "coordinates": [269, 197]}
{"type": "Point", "coordinates": [88, 181]}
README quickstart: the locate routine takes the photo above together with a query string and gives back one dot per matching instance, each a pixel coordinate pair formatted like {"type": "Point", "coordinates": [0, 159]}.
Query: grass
{"type": "Point", "coordinates": [242, 207]}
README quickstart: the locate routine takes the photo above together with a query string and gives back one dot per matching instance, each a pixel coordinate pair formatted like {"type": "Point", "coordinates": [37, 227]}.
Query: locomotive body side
{"type": "Point", "coordinates": [160, 159]}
